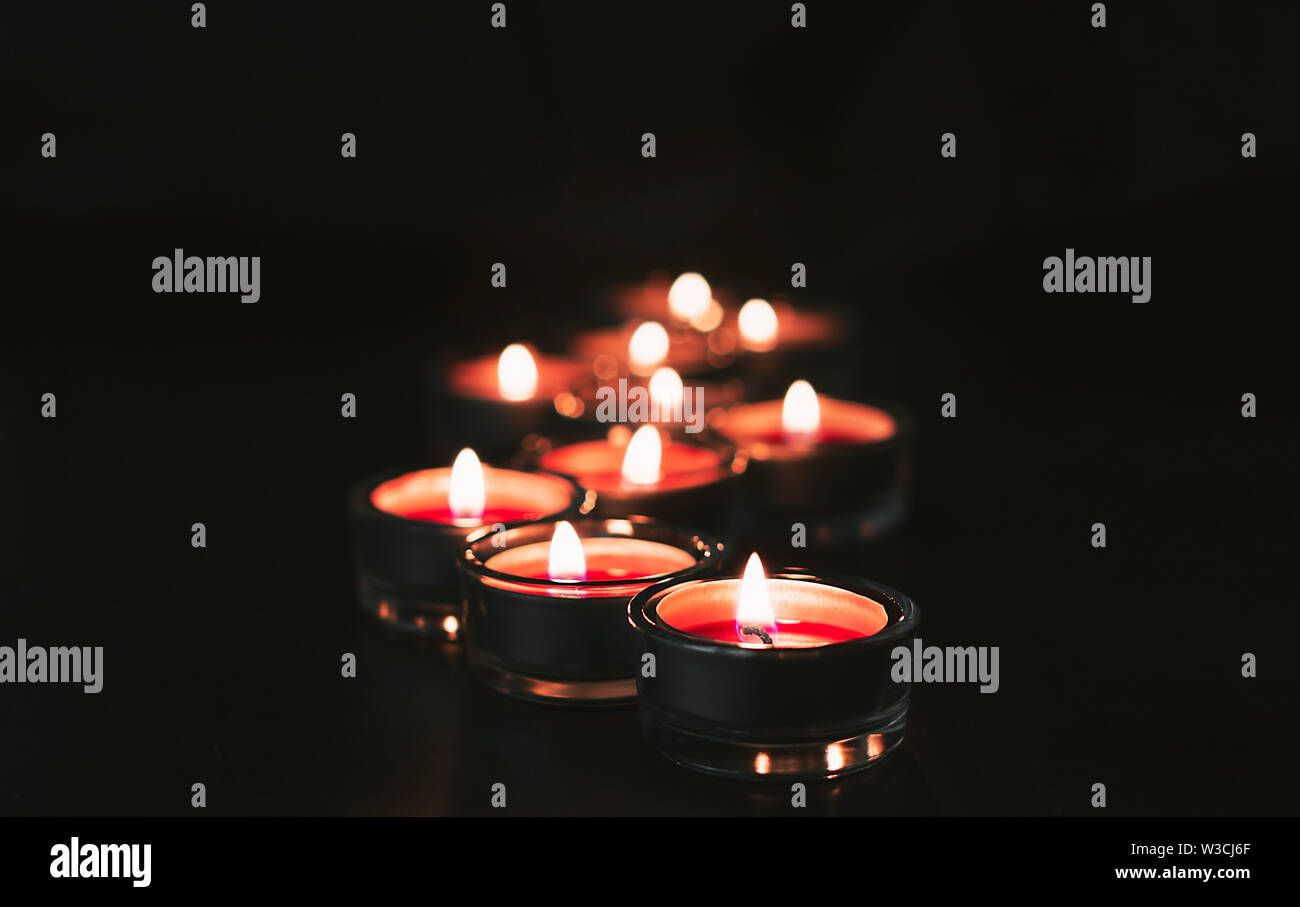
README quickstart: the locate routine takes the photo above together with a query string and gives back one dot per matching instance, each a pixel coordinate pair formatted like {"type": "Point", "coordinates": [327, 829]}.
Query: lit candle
{"type": "Point", "coordinates": [743, 612]}
{"type": "Point", "coordinates": [546, 605]}
{"type": "Point", "coordinates": [679, 409]}
{"type": "Point", "coordinates": [842, 468]}
{"type": "Point", "coordinates": [637, 348]}
{"type": "Point", "coordinates": [689, 296]}
{"type": "Point", "coordinates": [776, 339]}
{"type": "Point", "coordinates": [773, 678]}
{"type": "Point", "coordinates": [498, 399]}
{"type": "Point", "coordinates": [409, 526]}
{"type": "Point", "coordinates": [688, 300]}
{"type": "Point", "coordinates": [643, 473]}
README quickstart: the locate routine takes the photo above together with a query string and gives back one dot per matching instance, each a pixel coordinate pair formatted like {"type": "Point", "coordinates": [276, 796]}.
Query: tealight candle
{"type": "Point", "coordinates": [409, 527]}
{"type": "Point", "coordinates": [685, 301]}
{"type": "Point", "coordinates": [497, 400]}
{"type": "Point", "coordinates": [840, 468]}
{"type": "Point", "coordinates": [641, 473]}
{"type": "Point", "coordinates": [638, 348]}
{"type": "Point", "coordinates": [691, 302]}
{"type": "Point", "coordinates": [664, 399]}
{"type": "Point", "coordinates": [777, 340]}
{"type": "Point", "coordinates": [545, 606]}
{"type": "Point", "coordinates": [772, 678]}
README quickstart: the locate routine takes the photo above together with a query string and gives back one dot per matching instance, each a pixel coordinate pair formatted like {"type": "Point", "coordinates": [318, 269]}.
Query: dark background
{"type": "Point", "coordinates": [775, 145]}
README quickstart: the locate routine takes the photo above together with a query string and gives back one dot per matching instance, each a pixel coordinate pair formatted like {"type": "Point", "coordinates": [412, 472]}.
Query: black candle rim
{"type": "Point", "coordinates": [472, 564]}
{"type": "Point", "coordinates": [643, 614]}
{"type": "Point", "coordinates": [362, 491]}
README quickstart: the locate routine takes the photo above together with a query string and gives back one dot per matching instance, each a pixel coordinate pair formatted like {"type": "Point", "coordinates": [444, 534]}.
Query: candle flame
{"type": "Point", "coordinates": [467, 493]}
{"type": "Point", "coordinates": [566, 560]}
{"type": "Point", "coordinates": [758, 325]}
{"type": "Point", "coordinates": [644, 453]}
{"type": "Point", "coordinates": [689, 296]}
{"type": "Point", "coordinates": [516, 373]}
{"type": "Point", "coordinates": [666, 393]}
{"type": "Point", "coordinates": [754, 611]}
{"type": "Point", "coordinates": [648, 347]}
{"type": "Point", "coordinates": [801, 413]}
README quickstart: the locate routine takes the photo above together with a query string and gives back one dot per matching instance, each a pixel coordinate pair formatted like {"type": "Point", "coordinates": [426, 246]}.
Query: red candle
{"type": "Point", "coordinates": [546, 605]}
{"type": "Point", "coordinates": [638, 348]}
{"type": "Point", "coordinates": [802, 422]}
{"type": "Point", "coordinates": [680, 408]}
{"type": "Point", "coordinates": [410, 528]}
{"type": "Point", "coordinates": [637, 465]}
{"type": "Point", "coordinates": [516, 375]}
{"type": "Point", "coordinates": [470, 495]}
{"type": "Point", "coordinates": [573, 565]}
{"type": "Point", "coordinates": [763, 326]}
{"type": "Point", "coordinates": [686, 301]}
{"type": "Point", "coordinates": [642, 474]}
{"type": "Point", "coordinates": [757, 613]}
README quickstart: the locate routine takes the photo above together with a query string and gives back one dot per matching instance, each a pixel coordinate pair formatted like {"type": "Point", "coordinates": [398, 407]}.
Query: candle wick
{"type": "Point", "coordinates": [756, 631]}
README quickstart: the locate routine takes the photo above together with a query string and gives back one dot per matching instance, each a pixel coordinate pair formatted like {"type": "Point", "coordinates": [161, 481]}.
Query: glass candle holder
{"type": "Point", "coordinates": [848, 481]}
{"type": "Point", "coordinates": [490, 406]}
{"type": "Point", "coordinates": [567, 641]}
{"type": "Point", "coordinates": [814, 698]}
{"type": "Point", "coordinates": [694, 483]}
{"type": "Point", "coordinates": [407, 540]}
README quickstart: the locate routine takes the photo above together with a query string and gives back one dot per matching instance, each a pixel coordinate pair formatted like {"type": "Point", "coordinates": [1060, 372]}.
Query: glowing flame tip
{"type": "Point", "coordinates": [467, 490]}
{"type": "Point", "coordinates": [643, 456]}
{"type": "Point", "coordinates": [758, 324]}
{"type": "Point", "coordinates": [801, 413]}
{"type": "Point", "coordinates": [566, 559]}
{"type": "Point", "coordinates": [689, 296]}
{"type": "Point", "coordinates": [648, 346]}
{"type": "Point", "coordinates": [755, 618]}
{"type": "Point", "coordinates": [516, 373]}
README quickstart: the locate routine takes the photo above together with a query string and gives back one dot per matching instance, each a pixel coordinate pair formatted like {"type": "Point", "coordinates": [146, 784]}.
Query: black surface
{"type": "Point", "coordinates": [775, 146]}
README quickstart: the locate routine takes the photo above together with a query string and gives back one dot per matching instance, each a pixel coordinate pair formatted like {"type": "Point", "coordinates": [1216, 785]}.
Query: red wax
{"type": "Point", "coordinates": [808, 613]}
{"type": "Point", "coordinates": [607, 350]}
{"type": "Point", "coordinates": [757, 427]}
{"type": "Point", "coordinates": [609, 559]}
{"type": "Point", "coordinates": [830, 434]}
{"type": "Point", "coordinates": [511, 496]}
{"type": "Point", "coordinates": [598, 465]}
{"type": "Point", "coordinates": [792, 634]}
{"type": "Point", "coordinates": [444, 515]}
{"type": "Point", "coordinates": [478, 377]}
